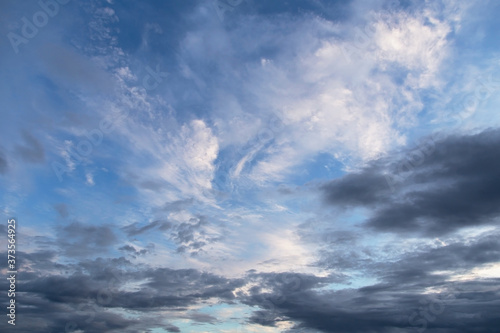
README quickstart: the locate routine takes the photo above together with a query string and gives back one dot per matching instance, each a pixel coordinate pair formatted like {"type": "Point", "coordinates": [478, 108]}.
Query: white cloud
{"type": "Point", "coordinates": [89, 179]}
{"type": "Point", "coordinates": [184, 159]}
{"type": "Point", "coordinates": [353, 108]}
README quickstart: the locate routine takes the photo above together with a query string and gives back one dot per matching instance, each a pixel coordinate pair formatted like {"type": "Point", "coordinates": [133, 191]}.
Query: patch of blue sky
{"type": "Point", "coordinates": [321, 167]}
{"type": "Point", "coordinates": [355, 281]}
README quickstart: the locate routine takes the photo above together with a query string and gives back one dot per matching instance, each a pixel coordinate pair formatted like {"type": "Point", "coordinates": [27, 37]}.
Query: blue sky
{"type": "Point", "coordinates": [252, 166]}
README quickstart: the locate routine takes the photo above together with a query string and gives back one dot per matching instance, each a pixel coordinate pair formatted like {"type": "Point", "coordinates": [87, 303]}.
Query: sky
{"type": "Point", "coordinates": [309, 166]}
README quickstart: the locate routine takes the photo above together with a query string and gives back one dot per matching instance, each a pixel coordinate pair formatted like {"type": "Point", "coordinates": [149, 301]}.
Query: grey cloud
{"type": "Point", "coordinates": [84, 293]}
{"type": "Point", "coordinates": [32, 151]}
{"type": "Point", "coordinates": [178, 205]}
{"type": "Point", "coordinates": [172, 328]}
{"type": "Point", "coordinates": [189, 236]}
{"type": "Point", "coordinates": [62, 209]}
{"type": "Point", "coordinates": [275, 290]}
{"type": "Point", "coordinates": [365, 188]}
{"type": "Point", "coordinates": [134, 252]}
{"type": "Point", "coordinates": [78, 240]}
{"type": "Point", "coordinates": [4, 165]}
{"type": "Point", "coordinates": [301, 298]}
{"type": "Point", "coordinates": [416, 269]}
{"type": "Point", "coordinates": [134, 228]}
{"type": "Point", "coordinates": [205, 285]}
{"type": "Point", "coordinates": [455, 186]}
{"type": "Point", "coordinates": [128, 248]}
{"type": "Point", "coordinates": [397, 303]}
{"type": "Point", "coordinates": [379, 310]}
{"type": "Point", "coordinates": [154, 186]}
{"type": "Point", "coordinates": [201, 317]}
{"type": "Point", "coordinates": [42, 260]}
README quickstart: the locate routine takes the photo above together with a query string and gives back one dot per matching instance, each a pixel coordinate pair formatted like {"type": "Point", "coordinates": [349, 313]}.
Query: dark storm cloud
{"type": "Point", "coordinates": [456, 184]}
{"type": "Point", "coordinates": [32, 151]}
{"type": "Point", "coordinates": [87, 291]}
{"type": "Point", "coordinates": [397, 301]}
{"type": "Point", "coordinates": [191, 283]}
{"type": "Point", "coordinates": [42, 260]}
{"type": "Point", "coordinates": [275, 290]}
{"type": "Point", "coordinates": [41, 315]}
{"type": "Point", "coordinates": [417, 270]}
{"type": "Point", "coordinates": [385, 310]}
{"type": "Point", "coordinates": [359, 189]}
